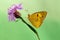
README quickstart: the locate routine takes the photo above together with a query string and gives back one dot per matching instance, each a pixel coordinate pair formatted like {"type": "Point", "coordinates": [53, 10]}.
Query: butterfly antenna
{"type": "Point", "coordinates": [27, 11]}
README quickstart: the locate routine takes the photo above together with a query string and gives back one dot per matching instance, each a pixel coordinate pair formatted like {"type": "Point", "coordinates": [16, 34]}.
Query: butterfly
{"type": "Point", "coordinates": [37, 18]}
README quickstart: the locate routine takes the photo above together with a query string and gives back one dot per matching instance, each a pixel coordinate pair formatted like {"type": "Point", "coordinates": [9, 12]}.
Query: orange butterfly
{"type": "Point", "coordinates": [37, 18]}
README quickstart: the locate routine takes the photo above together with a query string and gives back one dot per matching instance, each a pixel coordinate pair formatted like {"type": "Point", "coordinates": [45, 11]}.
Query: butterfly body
{"type": "Point", "coordinates": [37, 18]}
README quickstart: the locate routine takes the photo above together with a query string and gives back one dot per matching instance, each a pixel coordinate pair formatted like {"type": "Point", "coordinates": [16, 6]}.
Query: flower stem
{"type": "Point", "coordinates": [30, 27]}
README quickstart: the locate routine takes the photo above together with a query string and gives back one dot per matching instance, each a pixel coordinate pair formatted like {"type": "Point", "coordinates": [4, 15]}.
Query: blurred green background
{"type": "Point", "coordinates": [50, 29]}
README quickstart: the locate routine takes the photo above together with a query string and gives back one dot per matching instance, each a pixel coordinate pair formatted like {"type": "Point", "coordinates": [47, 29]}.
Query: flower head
{"type": "Point", "coordinates": [12, 11]}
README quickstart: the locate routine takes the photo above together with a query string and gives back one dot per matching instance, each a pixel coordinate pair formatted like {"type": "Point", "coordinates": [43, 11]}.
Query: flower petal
{"type": "Point", "coordinates": [11, 11]}
{"type": "Point", "coordinates": [19, 6]}
{"type": "Point", "coordinates": [11, 17]}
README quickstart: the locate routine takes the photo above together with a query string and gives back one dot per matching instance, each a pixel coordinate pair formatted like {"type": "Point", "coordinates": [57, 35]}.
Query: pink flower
{"type": "Point", "coordinates": [12, 10]}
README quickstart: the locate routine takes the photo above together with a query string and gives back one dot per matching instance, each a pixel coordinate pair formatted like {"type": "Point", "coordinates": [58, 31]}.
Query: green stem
{"type": "Point", "coordinates": [30, 27]}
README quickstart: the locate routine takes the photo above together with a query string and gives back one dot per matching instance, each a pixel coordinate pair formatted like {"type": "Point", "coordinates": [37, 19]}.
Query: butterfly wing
{"type": "Point", "coordinates": [37, 18]}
